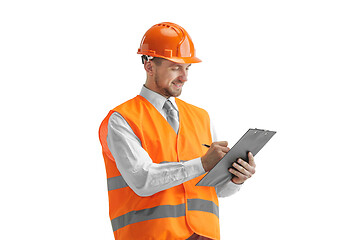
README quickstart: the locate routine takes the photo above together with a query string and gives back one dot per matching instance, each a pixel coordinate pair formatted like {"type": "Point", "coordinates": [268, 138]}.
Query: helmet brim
{"type": "Point", "coordinates": [183, 59]}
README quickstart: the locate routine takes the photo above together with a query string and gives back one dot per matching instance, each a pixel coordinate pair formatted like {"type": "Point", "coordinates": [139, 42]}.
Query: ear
{"type": "Point", "coordinates": [148, 67]}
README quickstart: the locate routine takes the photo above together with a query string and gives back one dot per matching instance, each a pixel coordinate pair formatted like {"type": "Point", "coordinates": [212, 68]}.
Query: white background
{"type": "Point", "coordinates": [289, 66]}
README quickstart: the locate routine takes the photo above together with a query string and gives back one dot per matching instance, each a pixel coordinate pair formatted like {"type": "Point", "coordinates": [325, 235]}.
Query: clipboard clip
{"type": "Point", "coordinates": [257, 129]}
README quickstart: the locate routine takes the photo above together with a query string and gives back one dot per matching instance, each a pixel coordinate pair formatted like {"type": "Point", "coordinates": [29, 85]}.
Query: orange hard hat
{"type": "Point", "coordinates": [170, 41]}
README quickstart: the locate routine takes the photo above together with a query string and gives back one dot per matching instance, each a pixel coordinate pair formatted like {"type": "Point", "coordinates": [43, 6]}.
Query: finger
{"type": "Point", "coordinates": [222, 143]}
{"type": "Point", "coordinates": [225, 149]}
{"type": "Point", "coordinates": [220, 147]}
{"type": "Point", "coordinates": [251, 159]}
{"type": "Point", "coordinates": [241, 169]}
{"type": "Point", "coordinates": [238, 180]}
{"type": "Point", "coordinates": [246, 165]}
{"type": "Point", "coordinates": [241, 177]}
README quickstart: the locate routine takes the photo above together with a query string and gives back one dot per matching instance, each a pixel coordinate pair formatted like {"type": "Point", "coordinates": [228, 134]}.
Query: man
{"type": "Point", "coordinates": [152, 146]}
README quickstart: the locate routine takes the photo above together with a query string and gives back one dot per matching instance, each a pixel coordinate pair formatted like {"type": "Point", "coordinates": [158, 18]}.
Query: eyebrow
{"type": "Point", "coordinates": [178, 64]}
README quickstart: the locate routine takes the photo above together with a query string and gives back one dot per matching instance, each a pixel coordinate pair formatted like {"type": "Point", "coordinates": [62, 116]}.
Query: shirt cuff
{"type": "Point", "coordinates": [227, 189]}
{"type": "Point", "coordinates": [194, 167]}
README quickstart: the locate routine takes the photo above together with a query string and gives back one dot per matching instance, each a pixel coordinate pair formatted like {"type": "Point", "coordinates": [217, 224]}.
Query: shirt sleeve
{"type": "Point", "coordinates": [229, 188]}
{"type": "Point", "coordinates": [143, 176]}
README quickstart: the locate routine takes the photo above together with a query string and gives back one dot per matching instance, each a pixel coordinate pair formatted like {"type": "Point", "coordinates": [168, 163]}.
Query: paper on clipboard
{"type": "Point", "coordinates": [252, 141]}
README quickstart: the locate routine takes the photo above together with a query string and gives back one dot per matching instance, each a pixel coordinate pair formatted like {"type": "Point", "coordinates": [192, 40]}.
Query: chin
{"type": "Point", "coordinates": [177, 94]}
{"type": "Point", "coordinates": [173, 93]}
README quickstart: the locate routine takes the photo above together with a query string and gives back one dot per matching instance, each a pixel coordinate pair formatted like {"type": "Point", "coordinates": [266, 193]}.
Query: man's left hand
{"type": "Point", "coordinates": [243, 170]}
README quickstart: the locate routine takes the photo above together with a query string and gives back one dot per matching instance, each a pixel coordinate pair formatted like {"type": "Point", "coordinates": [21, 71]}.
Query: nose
{"type": "Point", "coordinates": [183, 75]}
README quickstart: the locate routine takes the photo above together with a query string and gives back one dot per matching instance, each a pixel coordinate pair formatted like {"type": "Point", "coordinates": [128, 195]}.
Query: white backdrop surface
{"type": "Point", "coordinates": [288, 66]}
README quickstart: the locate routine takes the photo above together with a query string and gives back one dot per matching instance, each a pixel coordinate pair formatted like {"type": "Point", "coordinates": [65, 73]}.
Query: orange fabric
{"type": "Point", "coordinates": [163, 144]}
{"type": "Point", "coordinates": [170, 41]}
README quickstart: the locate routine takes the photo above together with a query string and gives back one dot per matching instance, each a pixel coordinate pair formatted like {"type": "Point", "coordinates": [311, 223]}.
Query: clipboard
{"type": "Point", "coordinates": [252, 141]}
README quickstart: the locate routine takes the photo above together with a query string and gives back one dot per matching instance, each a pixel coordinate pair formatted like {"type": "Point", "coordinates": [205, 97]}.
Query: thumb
{"type": "Point", "coordinates": [251, 159]}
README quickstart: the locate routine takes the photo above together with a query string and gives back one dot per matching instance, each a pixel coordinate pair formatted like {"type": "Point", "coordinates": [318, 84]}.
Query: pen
{"type": "Point", "coordinates": [205, 145]}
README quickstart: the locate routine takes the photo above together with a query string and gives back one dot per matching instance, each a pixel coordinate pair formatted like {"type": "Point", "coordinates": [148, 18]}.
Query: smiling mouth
{"type": "Point", "coordinates": [178, 85]}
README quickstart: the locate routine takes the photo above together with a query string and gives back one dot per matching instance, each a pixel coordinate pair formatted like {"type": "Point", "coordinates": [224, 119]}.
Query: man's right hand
{"type": "Point", "coordinates": [216, 152]}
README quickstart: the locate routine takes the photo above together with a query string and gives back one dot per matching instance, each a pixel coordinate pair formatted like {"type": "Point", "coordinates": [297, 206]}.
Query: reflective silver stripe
{"type": "Point", "coordinates": [172, 162]}
{"type": "Point", "coordinates": [116, 183]}
{"type": "Point", "coordinates": [119, 182]}
{"type": "Point", "coordinates": [163, 211]}
{"type": "Point", "coordinates": [203, 205]}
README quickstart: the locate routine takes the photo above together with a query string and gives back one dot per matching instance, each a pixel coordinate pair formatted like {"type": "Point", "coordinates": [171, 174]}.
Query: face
{"type": "Point", "coordinates": [168, 78]}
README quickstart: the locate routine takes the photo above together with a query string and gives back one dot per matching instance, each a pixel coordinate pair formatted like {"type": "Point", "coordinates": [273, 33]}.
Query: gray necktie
{"type": "Point", "coordinates": [171, 115]}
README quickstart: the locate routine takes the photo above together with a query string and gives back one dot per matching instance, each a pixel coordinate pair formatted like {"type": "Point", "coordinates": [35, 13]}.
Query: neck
{"type": "Point", "coordinates": [151, 85]}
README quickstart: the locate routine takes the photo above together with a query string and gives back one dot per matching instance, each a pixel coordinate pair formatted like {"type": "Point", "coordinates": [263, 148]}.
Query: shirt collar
{"type": "Point", "coordinates": [156, 99]}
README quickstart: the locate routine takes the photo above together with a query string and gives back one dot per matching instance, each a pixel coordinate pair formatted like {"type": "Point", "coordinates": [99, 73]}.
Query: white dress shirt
{"type": "Point", "coordinates": [140, 173]}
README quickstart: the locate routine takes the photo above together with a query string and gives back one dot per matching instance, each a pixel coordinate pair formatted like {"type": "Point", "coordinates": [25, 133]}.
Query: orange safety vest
{"type": "Point", "coordinates": [177, 212]}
